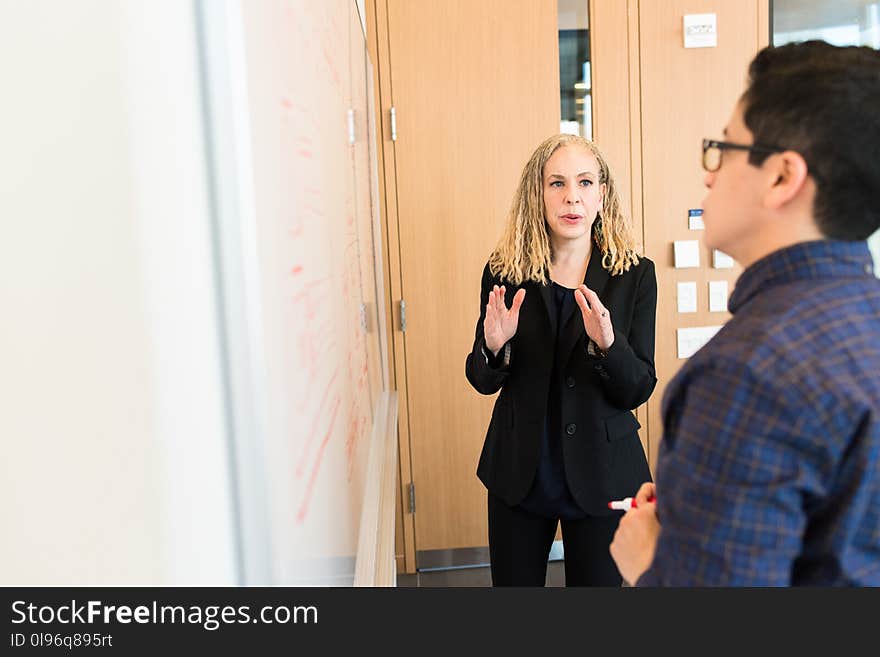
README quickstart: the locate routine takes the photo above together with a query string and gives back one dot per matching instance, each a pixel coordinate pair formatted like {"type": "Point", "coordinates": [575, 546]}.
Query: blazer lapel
{"type": "Point", "coordinates": [596, 278]}
{"type": "Point", "coordinates": [549, 303]}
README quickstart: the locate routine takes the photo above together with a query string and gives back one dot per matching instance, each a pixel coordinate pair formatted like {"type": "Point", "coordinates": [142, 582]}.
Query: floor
{"type": "Point", "coordinates": [478, 576]}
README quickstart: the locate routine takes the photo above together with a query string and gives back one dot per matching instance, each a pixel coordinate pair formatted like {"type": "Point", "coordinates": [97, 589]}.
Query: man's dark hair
{"type": "Point", "coordinates": [823, 101]}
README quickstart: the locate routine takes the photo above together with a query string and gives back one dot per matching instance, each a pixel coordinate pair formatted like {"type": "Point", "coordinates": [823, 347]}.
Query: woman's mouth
{"type": "Point", "coordinates": [571, 218]}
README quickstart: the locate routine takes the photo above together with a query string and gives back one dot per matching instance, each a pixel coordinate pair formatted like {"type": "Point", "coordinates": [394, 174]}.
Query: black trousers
{"type": "Point", "coordinates": [520, 542]}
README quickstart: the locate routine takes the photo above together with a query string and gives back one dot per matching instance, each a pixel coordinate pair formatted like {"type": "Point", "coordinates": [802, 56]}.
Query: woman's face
{"type": "Point", "coordinates": [572, 193]}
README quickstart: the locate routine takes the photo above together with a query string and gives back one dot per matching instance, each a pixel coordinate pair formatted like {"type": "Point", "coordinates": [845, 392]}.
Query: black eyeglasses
{"type": "Point", "coordinates": [712, 151]}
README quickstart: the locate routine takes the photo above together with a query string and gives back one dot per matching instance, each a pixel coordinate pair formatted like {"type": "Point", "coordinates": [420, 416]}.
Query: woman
{"type": "Point", "coordinates": [566, 332]}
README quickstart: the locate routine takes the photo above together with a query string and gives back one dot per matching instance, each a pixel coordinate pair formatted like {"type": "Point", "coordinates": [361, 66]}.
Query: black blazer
{"type": "Point", "coordinates": [604, 459]}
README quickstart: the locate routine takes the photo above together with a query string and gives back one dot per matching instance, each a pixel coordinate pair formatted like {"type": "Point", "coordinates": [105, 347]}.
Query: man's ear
{"type": "Point", "coordinates": [788, 175]}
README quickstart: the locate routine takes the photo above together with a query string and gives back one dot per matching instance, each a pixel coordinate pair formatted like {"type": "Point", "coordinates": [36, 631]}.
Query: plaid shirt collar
{"type": "Point", "coordinates": [822, 259]}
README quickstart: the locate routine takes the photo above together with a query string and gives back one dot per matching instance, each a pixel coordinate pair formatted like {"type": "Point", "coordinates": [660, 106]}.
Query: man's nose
{"type": "Point", "coordinates": [709, 178]}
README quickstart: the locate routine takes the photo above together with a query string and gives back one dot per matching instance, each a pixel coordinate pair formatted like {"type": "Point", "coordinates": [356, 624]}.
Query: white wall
{"type": "Point", "coordinates": [115, 463]}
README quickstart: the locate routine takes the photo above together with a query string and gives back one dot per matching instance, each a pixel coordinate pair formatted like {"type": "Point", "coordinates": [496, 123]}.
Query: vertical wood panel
{"type": "Point", "coordinates": [377, 31]}
{"type": "Point", "coordinates": [614, 42]}
{"type": "Point", "coordinates": [476, 87]}
{"type": "Point", "coordinates": [763, 23]}
{"type": "Point", "coordinates": [687, 94]}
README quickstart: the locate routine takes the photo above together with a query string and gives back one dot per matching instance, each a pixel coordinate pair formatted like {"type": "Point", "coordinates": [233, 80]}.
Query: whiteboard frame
{"type": "Point", "coordinates": [228, 155]}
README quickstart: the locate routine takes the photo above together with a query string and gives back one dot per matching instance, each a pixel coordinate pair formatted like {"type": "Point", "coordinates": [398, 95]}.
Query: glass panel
{"type": "Point", "coordinates": [574, 68]}
{"type": "Point", "coordinates": [841, 22]}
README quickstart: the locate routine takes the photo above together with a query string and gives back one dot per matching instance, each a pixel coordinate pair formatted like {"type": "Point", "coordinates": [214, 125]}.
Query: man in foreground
{"type": "Point", "coordinates": [769, 469]}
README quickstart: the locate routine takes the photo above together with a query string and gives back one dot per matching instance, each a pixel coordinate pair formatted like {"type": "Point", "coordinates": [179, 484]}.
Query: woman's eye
{"type": "Point", "coordinates": [556, 183]}
{"type": "Point", "coordinates": [586, 183]}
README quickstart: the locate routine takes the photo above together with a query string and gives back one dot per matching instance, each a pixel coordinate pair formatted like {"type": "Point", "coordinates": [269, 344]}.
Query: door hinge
{"type": "Point", "coordinates": [403, 316]}
{"type": "Point", "coordinates": [364, 322]}
{"type": "Point", "coordinates": [351, 135]}
{"type": "Point", "coordinates": [412, 497]}
{"type": "Point", "coordinates": [393, 124]}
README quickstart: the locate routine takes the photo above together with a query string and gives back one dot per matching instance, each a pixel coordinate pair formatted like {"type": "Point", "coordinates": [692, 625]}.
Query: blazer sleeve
{"type": "Point", "coordinates": [485, 373]}
{"type": "Point", "coordinates": [628, 370]}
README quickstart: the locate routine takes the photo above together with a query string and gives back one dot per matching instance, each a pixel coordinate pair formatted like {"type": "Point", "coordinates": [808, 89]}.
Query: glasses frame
{"type": "Point", "coordinates": [722, 146]}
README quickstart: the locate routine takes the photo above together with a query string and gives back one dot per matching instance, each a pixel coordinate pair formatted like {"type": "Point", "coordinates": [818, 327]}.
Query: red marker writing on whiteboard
{"type": "Point", "coordinates": [627, 503]}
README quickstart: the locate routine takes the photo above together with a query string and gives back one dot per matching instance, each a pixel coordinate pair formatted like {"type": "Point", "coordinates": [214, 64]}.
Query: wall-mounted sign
{"type": "Point", "coordinates": [700, 31]}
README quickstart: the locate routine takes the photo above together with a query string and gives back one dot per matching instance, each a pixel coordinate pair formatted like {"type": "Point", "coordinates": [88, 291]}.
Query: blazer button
{"type": "Point", "coordinates": [570, 429]}
{"type": "Point", "coordinates": [570, 382]}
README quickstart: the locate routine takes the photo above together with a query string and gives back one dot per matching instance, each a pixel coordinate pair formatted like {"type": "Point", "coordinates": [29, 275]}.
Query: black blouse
{"type": "Point", "coordinates": [549, 495]}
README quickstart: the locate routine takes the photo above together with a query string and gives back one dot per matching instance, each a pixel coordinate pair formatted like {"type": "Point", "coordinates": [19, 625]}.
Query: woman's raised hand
{"type": "Point", "coordinates": [597, 318]}
{"type": "Point", "coordinates": [500, 323]}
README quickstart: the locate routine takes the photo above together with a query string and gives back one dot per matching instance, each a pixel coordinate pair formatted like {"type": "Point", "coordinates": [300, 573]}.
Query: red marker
{"type": "Point", "coordinates": [627, 503]}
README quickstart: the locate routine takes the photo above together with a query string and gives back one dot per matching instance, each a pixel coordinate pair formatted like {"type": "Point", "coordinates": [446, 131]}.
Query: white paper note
{"type": "Point", "coordinates": [687, 253]}
{"type": "Point", "coordinates": [721, 260]}
{"type": "Point", "coordinates": [700, 30]}
{"type": "Point", "coordinates": [718, 292]}
{"type": "Point", "coordinates": [687, 297]}
{"type": "Point", "coordinates": [695, 220]}
{"type": "Point", "coordinates": [690, 340]}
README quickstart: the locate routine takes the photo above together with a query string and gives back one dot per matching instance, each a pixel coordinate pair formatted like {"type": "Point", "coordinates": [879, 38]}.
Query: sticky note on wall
{"type": "Point", "coordinates": [695, 219]}
{"type": "Point", "coordinates": [718, 292]}
{"type": "Point", "coordinates": [687, 297]}
{"type": "Point", "coordinates": [700, 30]}
{"type": "Point", "coordinates": [721, 260]}
{"type": "Point", "coordinates": [690, 340]}
{"type": "Point", "coordinates": [687, 253]}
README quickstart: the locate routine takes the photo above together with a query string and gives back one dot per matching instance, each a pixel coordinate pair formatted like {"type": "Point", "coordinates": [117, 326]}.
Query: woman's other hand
{"type": "Point", "coordinates": [597, 319]}
{"type": "Point", "coordinates": [501, 322]}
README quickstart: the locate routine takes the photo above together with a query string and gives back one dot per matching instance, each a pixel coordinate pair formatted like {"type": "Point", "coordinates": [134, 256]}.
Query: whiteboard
{"type": "Point", "coordinates": [289, 104]}
{"type": "Point", "coordinates": [113, 420]}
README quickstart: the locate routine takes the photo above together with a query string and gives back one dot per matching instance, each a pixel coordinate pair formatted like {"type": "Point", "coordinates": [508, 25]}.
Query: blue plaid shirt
{"type": "Point", "coordinates": [769, 469]}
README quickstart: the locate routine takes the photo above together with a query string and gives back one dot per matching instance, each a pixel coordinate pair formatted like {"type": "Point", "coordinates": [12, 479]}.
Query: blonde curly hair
{"type": "Point", "coordinates": [524, 251]}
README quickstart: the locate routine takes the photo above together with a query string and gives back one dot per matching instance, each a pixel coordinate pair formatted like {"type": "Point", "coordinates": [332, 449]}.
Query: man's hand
{"type": "Point", "coordinates": [636, 537]}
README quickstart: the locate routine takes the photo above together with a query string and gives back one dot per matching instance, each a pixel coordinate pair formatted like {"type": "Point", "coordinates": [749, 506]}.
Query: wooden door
{"type": "Point", "coordinates": [475, 87]}
{"type": "Point", "coordinates": [687, 94]}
